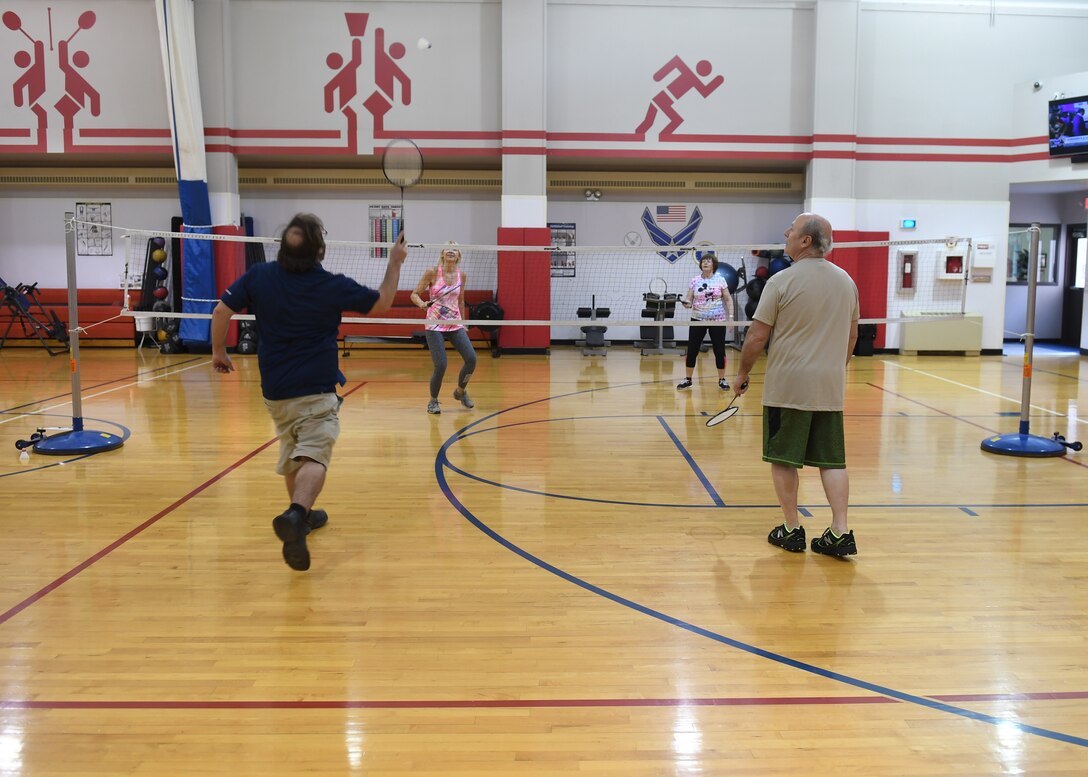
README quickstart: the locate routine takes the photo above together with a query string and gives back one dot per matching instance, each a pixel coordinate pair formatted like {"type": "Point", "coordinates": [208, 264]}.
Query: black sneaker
{"type": "Point", "coordinates": [830, 545]}
{"type": "Point", "coordinates": [291, 527]}
{"type": "Point", "coordinates": [684, 385]}
{"type": "Point", "coordinates": [316, 520]}
{"type": "Point", "coordinates": [723, 384]}
{"type": "Point", "coordinates": [792, 540]}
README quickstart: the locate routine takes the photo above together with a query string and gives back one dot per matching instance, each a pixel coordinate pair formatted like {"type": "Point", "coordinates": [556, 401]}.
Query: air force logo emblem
{"type": "Point", "coordinates": [683, 238]}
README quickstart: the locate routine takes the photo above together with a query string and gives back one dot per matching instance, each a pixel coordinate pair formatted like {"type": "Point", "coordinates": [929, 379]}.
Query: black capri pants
{"type": "Point", "coordinates": [696, 333]}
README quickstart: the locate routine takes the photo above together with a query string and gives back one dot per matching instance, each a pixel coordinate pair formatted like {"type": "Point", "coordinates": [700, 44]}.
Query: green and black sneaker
{"type": "Point", "coordinates": [792, 540]}
{"type": "Point", "coordinates": [831, 545]}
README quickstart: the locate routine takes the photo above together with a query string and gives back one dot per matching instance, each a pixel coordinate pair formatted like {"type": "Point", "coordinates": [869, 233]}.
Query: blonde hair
{"type": "Point", "coordinates": [451, 245]}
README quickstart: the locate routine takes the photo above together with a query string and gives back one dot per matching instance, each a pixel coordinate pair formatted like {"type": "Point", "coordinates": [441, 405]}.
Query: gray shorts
{"type": "Point", "coordinates": [307, 427]}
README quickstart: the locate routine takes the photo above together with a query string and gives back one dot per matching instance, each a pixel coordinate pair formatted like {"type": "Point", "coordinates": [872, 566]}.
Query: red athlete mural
{"type": "Point", "coordinates": [685, 81]}
{"type": "Point", "coordinates": [30, 87]}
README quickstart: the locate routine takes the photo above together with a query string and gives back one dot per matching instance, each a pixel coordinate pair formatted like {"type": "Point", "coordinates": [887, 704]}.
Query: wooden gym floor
{"type": "Point", "coordinates": [573, 578]}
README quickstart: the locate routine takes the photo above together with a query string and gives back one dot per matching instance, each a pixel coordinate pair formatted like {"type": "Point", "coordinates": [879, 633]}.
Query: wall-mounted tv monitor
{"type": "Point", "coordinates": [1069, 126]}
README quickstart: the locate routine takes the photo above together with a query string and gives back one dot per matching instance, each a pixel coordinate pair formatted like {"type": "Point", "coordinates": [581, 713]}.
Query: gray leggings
{"type": "Point", "coordinates": [436, 344]}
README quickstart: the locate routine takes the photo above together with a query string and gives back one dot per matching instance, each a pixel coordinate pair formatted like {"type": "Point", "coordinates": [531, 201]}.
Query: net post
{"type": "Point", "coordinates": [1022, 443]}
{"type": "Point", "coordinates": [1029, 330]}
{"type": "Point", "coordinates": [78, 440]}
{"type": "Point", "coordinates": [73, 318]}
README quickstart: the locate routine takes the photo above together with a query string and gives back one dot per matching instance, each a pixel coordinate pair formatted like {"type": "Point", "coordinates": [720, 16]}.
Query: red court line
{"type": "Point", "coordinates": [430, 704]}
{"type": "Point", "coordinates": [43, 592]}
{"type": "Point", "coordinates": [15, 133]}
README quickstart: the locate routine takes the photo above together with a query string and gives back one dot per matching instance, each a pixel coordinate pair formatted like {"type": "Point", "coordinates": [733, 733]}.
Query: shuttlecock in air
{"type": "Point", "coordinates": [423, 44]}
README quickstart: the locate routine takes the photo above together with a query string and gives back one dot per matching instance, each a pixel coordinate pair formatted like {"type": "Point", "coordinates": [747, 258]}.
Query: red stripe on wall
{"type": "Point", "coordinates": [608, 137]}
{"type": "Point", "coordinates": [525, 134]}
{"type": "Point", "coordinates": [834, 138]}
{"type": "Point", "coordinates": [122, 148]}
{"type": "Point", "coordinates": [285, 134]}
{"type": "Point", "coordinates": [436, 135]}
{"type": "Point", "coordinates": [105, 132]}
{"type": "Point", "coordinates": [658, 154]}
{"type": "Point", "coordinates": [517, 151]}
{"type": "Point", "coordinates": [684, 138]}
{"type": "Point", "coordinates": [983, 142]}
{"type": "Point", "coordinates": [952, 157]}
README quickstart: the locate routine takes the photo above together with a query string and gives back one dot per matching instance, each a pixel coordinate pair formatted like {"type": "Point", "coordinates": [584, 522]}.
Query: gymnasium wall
{"type": "Point", "coordinates": [926, 110]}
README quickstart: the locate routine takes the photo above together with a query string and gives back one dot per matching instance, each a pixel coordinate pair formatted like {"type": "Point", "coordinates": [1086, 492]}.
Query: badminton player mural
{"type": "Point", "coordinates": [341, 90]}
{"type": "Point", "coordinates": [686, 79]}
{"type": "Point", "coordinates": [30, 87]}
{"type": "Point", "coordinates": [342, 87]}
{"type": "Point", "coordinates": [682, 239]}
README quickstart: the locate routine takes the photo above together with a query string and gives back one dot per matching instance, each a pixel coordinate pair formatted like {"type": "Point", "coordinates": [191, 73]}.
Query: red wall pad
{"type": "Point", "coordinates": [869, 269]}
{"type": "Point", "coordinates": [525, 287]}
{"type": "Point", "coordinates": [230, 264]}
{"type": "Point", "coordinates": [537, 286]}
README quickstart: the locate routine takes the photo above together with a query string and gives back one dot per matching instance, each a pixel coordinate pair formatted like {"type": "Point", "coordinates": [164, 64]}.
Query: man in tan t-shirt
{"type": "Point", "coordinates": [809, 312]}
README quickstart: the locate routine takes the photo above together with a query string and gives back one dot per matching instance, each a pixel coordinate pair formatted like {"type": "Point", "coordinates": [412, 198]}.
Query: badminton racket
{"type": "Point", "coordinates": [402, 165]}
{"type": "Point", "coordinates": [730, 411]}
{"type": "Point", "coordinates": [445, 290]}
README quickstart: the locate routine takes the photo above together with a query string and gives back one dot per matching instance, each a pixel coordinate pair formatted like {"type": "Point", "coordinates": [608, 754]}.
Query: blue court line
{"type": "Point", "coordinates": [691, 462]}
{"type": "Point", "coordinates": [462, 434]}
{"type": "Point", "coordinates": [441, 461]}
{"type": "Point", "coordinates": [969, 512]}
{"type": "Point", "coordinates": [550, 495]}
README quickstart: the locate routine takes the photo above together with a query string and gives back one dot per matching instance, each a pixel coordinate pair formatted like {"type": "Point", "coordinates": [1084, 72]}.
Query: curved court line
{"type": "Point", "coordinates": [462, 435]}
{"type": "Point", "coordinates": [125, 434]}
{"type": "Point", "coordinates": [442, 461]}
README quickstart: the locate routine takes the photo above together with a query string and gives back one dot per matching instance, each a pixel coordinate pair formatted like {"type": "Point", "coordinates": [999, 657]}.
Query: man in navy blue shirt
{"type": "Point", "coordinates": [298, 305]}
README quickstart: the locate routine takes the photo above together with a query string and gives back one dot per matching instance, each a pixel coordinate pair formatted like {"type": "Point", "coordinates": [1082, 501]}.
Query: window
{"type": "Point", "coordinates": [1020, 251]}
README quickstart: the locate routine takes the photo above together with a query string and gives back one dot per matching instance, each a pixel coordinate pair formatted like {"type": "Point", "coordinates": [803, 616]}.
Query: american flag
{"type": "Point", "coordinates": [671, 213]}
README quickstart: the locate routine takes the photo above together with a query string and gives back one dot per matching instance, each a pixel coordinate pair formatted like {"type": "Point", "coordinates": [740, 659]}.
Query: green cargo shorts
{"type": "Point", "coordinates": [798, 438]}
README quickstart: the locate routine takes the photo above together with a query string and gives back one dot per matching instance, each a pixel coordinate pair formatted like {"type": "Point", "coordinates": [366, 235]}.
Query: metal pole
{"type": "Point", "coordinates": [73, 319]}
{"type": "Point", "coordinates": [1029, 329]}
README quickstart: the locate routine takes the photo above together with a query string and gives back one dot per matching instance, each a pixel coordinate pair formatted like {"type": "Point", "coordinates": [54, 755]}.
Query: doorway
{"type": "Point", "coordinates": [1076, 247]}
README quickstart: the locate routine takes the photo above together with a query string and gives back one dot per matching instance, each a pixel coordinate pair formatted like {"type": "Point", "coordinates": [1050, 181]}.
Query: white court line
{"type": "Point", "coordinates": [984, 391]}
{"type": "Point", "coordinates": [103, 393]}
